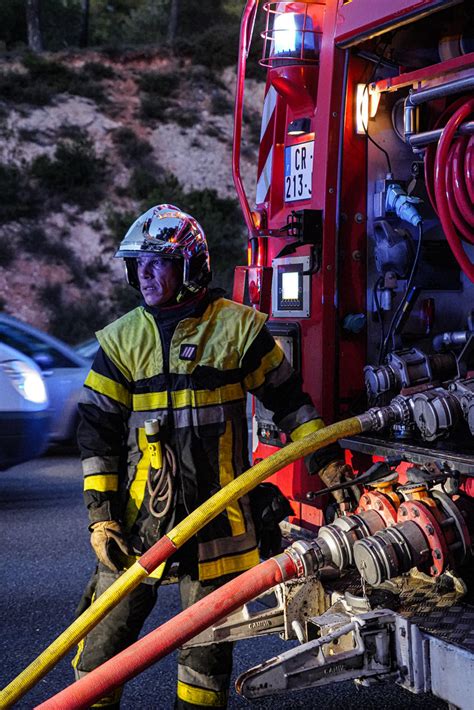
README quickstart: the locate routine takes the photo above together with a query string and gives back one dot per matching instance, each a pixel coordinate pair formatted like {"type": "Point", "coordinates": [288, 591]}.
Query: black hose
{"type": "Point", "coordinates": [402, 304]}
{"type": "Point", "coordinates": [380, 315]}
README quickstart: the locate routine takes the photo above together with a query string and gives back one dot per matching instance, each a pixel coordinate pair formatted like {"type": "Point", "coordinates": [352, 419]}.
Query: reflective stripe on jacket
{"type": "Point", "coordinates": [199, 398]}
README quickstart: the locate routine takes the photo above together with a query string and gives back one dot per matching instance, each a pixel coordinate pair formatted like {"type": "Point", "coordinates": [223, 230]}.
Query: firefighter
{"type": "Point", "coordinates": [186, 357]}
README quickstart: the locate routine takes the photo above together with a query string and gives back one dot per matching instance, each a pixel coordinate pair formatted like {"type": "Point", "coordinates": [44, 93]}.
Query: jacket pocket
{"type": "Point", "coordinates": [209, 421]}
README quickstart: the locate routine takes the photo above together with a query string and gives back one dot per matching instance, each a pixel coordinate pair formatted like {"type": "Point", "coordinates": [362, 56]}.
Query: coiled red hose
{"type": "Point", "coordinates": [454, 186]}
{"type": "Point", "coordinates": [469, 162]}
{"type": "Point", "coordinates": [174, 633]}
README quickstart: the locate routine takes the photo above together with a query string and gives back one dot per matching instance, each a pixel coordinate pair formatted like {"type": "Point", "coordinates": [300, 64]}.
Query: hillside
{"type": "Point", "coordinates": [88, 142]}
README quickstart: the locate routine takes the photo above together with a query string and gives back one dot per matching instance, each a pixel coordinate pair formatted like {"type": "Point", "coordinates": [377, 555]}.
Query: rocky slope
{"type": "Point", "coordinates": [56, 243]}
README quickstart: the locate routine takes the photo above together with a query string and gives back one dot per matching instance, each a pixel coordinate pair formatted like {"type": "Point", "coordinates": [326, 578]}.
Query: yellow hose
{"type": "Point", "coordinates": [72, 635]}
{"type": "Point", "coordinates": [258, 473]}
{"type": "Point", "coordinates": [182, 532]}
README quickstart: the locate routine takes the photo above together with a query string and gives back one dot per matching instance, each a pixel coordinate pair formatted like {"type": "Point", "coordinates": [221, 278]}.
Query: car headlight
{"type": "Point", "coordinates": [26, 380]}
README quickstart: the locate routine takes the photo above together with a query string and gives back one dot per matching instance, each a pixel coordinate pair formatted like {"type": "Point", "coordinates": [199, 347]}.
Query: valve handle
{"type": "Point", "coordinates": [377, 472]}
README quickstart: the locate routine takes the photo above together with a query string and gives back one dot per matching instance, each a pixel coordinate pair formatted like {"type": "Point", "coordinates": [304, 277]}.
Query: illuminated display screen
{"type": "Point", "coordinates": [289, 285]}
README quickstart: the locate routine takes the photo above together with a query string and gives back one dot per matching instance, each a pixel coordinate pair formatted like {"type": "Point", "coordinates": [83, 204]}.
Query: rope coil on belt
{"type": "Point", "coordinates": [160, 484]}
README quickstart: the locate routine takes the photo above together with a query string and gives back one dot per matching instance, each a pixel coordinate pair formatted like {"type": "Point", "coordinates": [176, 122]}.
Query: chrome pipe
{"type": "Point", "coordinates": [415, 98]}
{"type": "Point", "coordinates": [420, 140]}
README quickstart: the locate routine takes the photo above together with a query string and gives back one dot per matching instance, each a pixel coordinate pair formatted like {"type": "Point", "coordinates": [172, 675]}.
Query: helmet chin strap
{"type": "Point", "coordinates": [188, 290]}
{"type": "Point", "coordinates": [189, 287]}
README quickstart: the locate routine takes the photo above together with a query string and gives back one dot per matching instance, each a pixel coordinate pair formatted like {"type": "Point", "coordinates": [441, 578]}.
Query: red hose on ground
{"type": "Point", "coordinates": [174, 633]}
{"type": "Point", "coordinates": [440, 187]}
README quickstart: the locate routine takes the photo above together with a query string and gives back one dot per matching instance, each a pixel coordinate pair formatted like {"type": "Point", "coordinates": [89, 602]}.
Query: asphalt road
{"type": "Point", "coordinates": [46, 562]}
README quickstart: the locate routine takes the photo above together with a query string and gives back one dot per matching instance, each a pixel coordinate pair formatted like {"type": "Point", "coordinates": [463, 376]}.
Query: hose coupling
{"type": "Point", "coordinates": [399, 411]}
{"type": "Point", "coordinates": [402, 204]}
{"type": "Point", "coordinates": [308, 557]}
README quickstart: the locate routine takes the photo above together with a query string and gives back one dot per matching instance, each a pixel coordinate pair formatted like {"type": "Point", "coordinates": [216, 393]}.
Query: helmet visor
{"type": "Point", "coordinates": [156, 234]}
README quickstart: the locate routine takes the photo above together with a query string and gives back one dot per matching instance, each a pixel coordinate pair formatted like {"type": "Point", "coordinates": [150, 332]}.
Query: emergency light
{"type": "Point", "coordinates": [292, 42]}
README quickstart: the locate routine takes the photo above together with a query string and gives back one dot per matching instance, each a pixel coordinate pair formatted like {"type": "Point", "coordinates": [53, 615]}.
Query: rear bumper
{"type": "Point", "coordinates": [23, 436]}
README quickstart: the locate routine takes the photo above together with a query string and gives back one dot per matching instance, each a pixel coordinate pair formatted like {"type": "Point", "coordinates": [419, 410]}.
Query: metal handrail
{"type": "Point", "coordinates": [420, 140]}
{"type": "Point", "coordinates": [416, 98]}
{"type": "Point", "coordinates": [246, 32]}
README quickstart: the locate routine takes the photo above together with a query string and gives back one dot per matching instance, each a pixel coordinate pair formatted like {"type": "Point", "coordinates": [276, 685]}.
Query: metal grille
{"type": "Point", "coordinates": [443, 616]}
{"type": "Point", "coordinates": [435, 611]}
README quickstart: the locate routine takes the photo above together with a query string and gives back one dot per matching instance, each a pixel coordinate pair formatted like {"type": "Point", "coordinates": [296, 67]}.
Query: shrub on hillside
{"type": "Point", "coordinates": [215, 47]}
{"type": "Point", "coordinates": [164, 83]}
{"type": "Point", "coordinates": [143, 184]}
{"type": "Point", "coordinates": [7, 251]}
{"type": "Point", "coordinates": [18, 198]}
{"type": "Point", "coordinates": [17, 87]}
{"type": "Point", "coordinates": [98, 71]}
{"type": "Point", "coordinates": [118, 224]}
{"type": "Point", "coordinates": [35, 241]}
{"type": "Point", "coordinates": [220, 103]}
{"type": "Point", "coordinates": [55, 74]}
{"type": "Point", "coordinates": [154, 107]}
{"type": "Point", "coordinates": [72, 132]}
{"type": "Point", "coordinates": [252, 127]}
{"type": "Point", "coordinates": [186, 118]}
{"type": "Point", "coordinates": [44, 80]}
{"type": "Point", "coordinates": [131, 148]}
{"type": "Point", "coordinates": [93, 270]}
{"type": "Point", "coordinates": [75, 173]}
{"type": "Point", "coordinates": [157, 89]}
{"type": "Point", "coordinates": [72, 321]}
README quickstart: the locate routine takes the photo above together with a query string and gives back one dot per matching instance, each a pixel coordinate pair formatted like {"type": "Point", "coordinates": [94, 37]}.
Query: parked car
{"type": "Point", "coordinates": [62, 367]}
{"type": "Point", "coordinates": [88, 348]}
{"type": "Point", "coordinates": [24, 408]}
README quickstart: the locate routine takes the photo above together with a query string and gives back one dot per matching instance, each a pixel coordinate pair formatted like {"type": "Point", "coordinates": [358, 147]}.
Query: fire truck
{"type": "Point", "coordinates": [361, 251]}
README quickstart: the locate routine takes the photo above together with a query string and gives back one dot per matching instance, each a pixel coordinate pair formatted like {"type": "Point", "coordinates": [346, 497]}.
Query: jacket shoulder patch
{"type": "Point", "coordinates": [187, 352]}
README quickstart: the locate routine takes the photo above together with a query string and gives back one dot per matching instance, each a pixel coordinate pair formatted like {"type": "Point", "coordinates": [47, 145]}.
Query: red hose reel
{"type": "Point", "coordinates": [449, 173]}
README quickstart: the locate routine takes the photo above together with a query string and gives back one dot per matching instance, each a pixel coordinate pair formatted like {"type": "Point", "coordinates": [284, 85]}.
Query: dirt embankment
{"type": "Point", "coordinates": [187, 130]}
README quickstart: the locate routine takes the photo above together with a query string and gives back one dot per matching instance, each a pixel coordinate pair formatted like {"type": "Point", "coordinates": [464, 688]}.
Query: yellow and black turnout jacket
{"type": "Point", "coordinates": [192, 371]}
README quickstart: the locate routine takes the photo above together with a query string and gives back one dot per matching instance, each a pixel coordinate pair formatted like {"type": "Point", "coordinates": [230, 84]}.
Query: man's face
{"type": "Point", "coordinates": [160, 279]}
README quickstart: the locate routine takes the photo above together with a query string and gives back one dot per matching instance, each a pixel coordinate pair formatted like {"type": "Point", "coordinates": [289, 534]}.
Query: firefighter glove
{"type": "Point", "coordinates": [333, 474]}
{"type": "Point", "coordinates": [107, 540]}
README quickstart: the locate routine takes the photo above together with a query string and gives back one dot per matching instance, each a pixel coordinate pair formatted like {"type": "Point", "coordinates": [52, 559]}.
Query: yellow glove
{"type": "Point", "coordinates": [107, 539]}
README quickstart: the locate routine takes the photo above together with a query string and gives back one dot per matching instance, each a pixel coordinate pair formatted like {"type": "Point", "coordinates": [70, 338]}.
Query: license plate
{"type": "Point", "coordinates": [298, 171]}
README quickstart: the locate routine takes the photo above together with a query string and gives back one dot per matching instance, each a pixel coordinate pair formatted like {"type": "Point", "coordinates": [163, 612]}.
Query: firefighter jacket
{"type": "Point", "coordinates": [194, 379]}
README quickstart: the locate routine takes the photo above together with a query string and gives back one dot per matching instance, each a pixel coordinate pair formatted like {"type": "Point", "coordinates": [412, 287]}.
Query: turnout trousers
{"type": "Point", "coordinates": [203, 671]}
